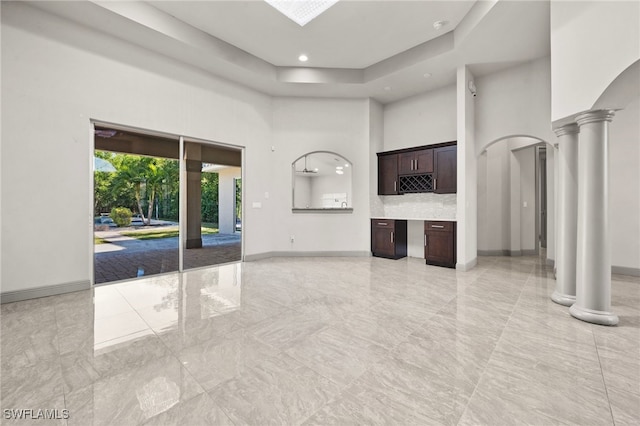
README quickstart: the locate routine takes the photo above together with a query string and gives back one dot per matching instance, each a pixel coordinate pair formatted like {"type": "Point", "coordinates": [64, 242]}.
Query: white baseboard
{"type": "Point", "coordinates": [467, 266]}
{"type": "Point", "coordinates": [624, 270]}
{"type": "Point", "coordinates": [494, 253]}
{"type": "Point", "coordinates": [50, 290]}
{"type": "Point", "coordinates": [266, 255]}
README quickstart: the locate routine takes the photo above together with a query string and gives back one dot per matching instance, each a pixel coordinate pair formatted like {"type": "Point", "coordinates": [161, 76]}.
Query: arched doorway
{"type": "Point", "coordinates": [516, 197]}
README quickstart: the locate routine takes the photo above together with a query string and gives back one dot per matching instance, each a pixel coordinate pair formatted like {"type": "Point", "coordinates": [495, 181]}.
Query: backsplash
{"type": "Point", "coordinates": [417, 206]}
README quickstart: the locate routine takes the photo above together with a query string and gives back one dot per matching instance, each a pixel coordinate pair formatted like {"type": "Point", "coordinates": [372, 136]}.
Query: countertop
{"type": "Point", "coordinates": [415, 218]}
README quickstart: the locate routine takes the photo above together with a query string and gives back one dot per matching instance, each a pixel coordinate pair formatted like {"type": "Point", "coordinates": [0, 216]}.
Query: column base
{"type": "Point", "coordinates": [194, 243]}
{"type": "Point", "coordinates": [563, 299]}
{"type": "Point", "coordinates": [594, 317]}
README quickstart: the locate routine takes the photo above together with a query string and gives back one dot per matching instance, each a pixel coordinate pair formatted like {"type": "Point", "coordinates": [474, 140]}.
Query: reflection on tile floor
{"type": "Point", "coordinates": [325, 341]}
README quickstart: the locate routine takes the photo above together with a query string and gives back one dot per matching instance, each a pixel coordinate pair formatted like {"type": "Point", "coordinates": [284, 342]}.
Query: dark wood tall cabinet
{"type": "Point", "coordinates": [440, 243]}
{"type": "Point", "coordinates": [445, 179]}
{"type": "Point", "coordinates": [388, 174]}
{"type": "Point", "coordinates": [389, 238]}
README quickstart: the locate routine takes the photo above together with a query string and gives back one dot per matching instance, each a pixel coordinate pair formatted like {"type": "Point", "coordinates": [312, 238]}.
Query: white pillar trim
{"type": "Point", "coordinates": [593, 260]}
{"type": "Point", "coordinates": [567, 210]}
{"type": "Point", "coordinates": [599, 116]}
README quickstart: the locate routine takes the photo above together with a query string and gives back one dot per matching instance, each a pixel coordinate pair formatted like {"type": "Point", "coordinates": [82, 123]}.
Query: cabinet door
{"type": "Point", "coordinates": [405, 163]}
{"type": "Point", "coordinates": [440, 243]}
{"type": "Point", "coordinates": [382, 241]}
{"type": "Point", "coordinates": [446, 170]}
{"type": "Point", "coordinates": [439, 247]}
{"type": "Point", "coordinates": [423, 162]}
{"type": "Point", "coordinates": [388, 174]}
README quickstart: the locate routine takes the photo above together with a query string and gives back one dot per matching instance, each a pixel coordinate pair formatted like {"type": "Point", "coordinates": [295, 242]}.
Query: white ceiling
{"type": "Point", "coordinates": [357, 49]}
{"type": "Point", "coordinates": [350, 34]}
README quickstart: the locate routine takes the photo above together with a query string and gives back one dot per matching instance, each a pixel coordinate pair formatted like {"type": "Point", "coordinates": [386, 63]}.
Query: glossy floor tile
{"type": "Point", "coordinates": [324, 341]}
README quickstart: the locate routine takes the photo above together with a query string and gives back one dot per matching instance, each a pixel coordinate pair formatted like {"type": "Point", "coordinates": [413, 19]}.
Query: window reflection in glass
{"type": "Point", "coordinates": [322, 180]}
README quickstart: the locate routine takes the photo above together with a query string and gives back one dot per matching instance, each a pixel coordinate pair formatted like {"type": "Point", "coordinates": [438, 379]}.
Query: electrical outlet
{"type": "Point", "coordinates": [293, 239]}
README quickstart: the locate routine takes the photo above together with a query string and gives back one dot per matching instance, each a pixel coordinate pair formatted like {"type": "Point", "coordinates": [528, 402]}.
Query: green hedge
{"type": "Point", "coordinates": [121, 216]}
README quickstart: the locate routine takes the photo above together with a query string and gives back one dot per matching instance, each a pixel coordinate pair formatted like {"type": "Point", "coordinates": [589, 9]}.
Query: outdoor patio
{"type": "Point", "coordinates": [125, 258]}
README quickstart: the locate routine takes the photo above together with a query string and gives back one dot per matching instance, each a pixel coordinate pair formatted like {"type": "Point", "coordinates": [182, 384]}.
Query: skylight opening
{"type": "Point", "coordinates": [301, 11]}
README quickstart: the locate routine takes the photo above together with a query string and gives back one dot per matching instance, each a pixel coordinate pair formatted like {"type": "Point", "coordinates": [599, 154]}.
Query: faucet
{"type": "Point", "coordinates": [343, 204]}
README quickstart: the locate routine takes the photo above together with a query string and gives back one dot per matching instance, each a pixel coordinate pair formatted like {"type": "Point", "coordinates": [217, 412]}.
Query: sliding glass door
{"type": "Point", "coordinates": [163, 204]}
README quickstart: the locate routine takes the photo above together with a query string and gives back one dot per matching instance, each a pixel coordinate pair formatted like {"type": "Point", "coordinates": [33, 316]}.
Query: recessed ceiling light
{"type": "Point", "coordinates": [301, 12]}
{"type": "Point", "coordinates": [339, 167]}
{"type": "Point", "coordinates": [387, 88]}
{"type": "Point", "coordinates": [303, 58]}
{"type": "Point", "coordinates": [426, 75]}
{"type": "Point", "coordinates": [340, 172]}
{"type": "Point", "coordinates": [439, 24]}
{"type": "Point", "coordinates": [346, 164]}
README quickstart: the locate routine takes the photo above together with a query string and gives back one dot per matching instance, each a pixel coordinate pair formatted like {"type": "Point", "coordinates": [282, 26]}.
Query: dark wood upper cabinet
{"type": "Point", "coordinates": [415, 162]}
{"type": "Point", "coordinates": [446, 170]}
{"type": "Point", "coordinates": [429, 168]}
{"type": "Point", "coordinates": [388, 174]}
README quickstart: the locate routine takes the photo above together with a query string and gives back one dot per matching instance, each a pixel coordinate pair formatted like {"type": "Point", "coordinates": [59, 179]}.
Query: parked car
{"type": "Point", "coordinates": [136, 220]}
{"type": "Point", "coordinates": [104, 221]}
{"type": "Point", "coordinates": [238, 224]}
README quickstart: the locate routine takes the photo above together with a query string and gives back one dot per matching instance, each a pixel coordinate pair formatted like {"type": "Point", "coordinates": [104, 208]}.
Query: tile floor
{"type": "Point", "coordinates": [127, 258]}
{"type": "Point", "coordinates": [325, 341]}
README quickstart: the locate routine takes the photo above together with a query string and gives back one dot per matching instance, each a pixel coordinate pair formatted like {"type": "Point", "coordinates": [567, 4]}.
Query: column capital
{"type": "Point", "coordinates": [595, 116]}
{"type": "Point", "coordinates": [567, 129]}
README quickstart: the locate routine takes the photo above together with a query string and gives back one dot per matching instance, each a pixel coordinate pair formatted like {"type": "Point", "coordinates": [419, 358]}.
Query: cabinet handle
{"type": "Point", "coordinates": [382, 223]}
{"type": "Point", "coordinates": [392, 237]}
{"type": "Point", "coordinates": [394, 185]}
{"type": "Point", "coordinates": [416, 163]}
{"type": "Point", "coordinates": [425, 240]}
{"type": "Point", "coordinates": [437, 226]}
{"type": "Point", "coordinates": [435, 184]}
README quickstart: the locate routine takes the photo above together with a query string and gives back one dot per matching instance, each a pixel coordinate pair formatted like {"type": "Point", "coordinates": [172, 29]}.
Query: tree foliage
{"type": "Point", "coordinates": [148, 186]}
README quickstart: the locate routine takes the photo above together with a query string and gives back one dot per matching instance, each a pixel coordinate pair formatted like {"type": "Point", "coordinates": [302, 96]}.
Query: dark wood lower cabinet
{"type": "Point", "coordinates": [389, 238]}
{"type": "Point", "coordinates": [440, 243]}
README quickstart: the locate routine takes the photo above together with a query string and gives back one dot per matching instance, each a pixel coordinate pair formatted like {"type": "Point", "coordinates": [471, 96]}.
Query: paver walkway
{"type": "Point", "coordinates": [126, 257]}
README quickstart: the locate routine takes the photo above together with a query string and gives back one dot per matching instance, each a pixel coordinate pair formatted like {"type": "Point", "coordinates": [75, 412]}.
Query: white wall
{"type": "Point", "coordinates": [527, 207]}
{"type": "Point", "coordinates": [227, 199]}
{"type": "Point", "coordinates": [514, 102]}
{"type": "Point", "coordinates": [302, 192]}
{"type": "Point", "coordinates": [506, 180]}
{"type": "Point", "coordinates": [303, 125]}
{"type": "Point", "coordinates": [331, 184]}
{"type": "Point", "coordinates": [376, 144]}
{"type": "Point", "coordinates": [551, 204]}
{"type": "Point", "coordinates": [425, 119]}
{"type": "Point", "coordinates": [592, 42]}
{"type": "Point", "coordinates": [55, 78]}
{"type": "Point", "coordinates": [467, 195]}
{"type": "Point", "coordinates": [624, 187]}
{"type": "Point", "coordinates": [494, 188]}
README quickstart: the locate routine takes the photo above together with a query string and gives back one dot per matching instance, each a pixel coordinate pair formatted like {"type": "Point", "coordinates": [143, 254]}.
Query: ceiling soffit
{"type": "Point", "coordinates": [151, 28]}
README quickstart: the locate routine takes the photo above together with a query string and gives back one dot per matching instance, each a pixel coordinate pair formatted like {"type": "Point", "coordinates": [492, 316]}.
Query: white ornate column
{"type": "Point", "coordinates": [593, 273]}
{"type": "Point", "coordinates": [567, 205]}
{"type": "Point", "coordinates": [556, 213]}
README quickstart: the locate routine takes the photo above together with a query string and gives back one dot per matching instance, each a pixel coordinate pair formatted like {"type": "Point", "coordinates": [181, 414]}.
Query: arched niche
{"type": "Point", "coordinates": [322, 182]}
